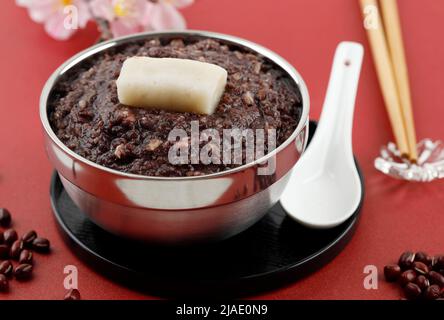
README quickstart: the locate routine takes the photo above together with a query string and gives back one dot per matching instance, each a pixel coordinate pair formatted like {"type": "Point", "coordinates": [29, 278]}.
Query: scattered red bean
{"type": "Point", "coordinates": [4, 251]}
{"type": "Point", "coordinates": [432, 293]}
{"type": "Point", "coordinates": [25, 257]}
{"type": "Point", "coordinates": [439, 263]}
{"type": "Point", "coordinates": [436, 278]}
{"type": "Point", "coordinates": [6, 268]}
{"type": "Point", "coordinates": [23, 271]}
{"type": "Point", "coordinates": [28, 238]}
{"type": "Point", "coordinates": [41, 245]}
{"type": "Point", "coordinates": [406, 260]}
{"type": "Point", "coordinates": [392, 272]}
{"type": "Point", "coordinates": [5, 218]}
{"type": "Point", "coordinates": [420, 267]}
{"type": "Point", "coordinates": [412, 291]}
{"type": "Point", "coordinates": [4, 284]}
{"type": "Point", "coordinates": [422, 282]}
{"type": "Point", "coordinates": [16, 249]}
{"type": "Point", "coordinates": [10, 236]}
{"type": "Point", "coordinates": [407, 277]}
{"type": "Point", "coordinates": [423, 257]}
{"type": "Point", "coordinates": [72, 294]}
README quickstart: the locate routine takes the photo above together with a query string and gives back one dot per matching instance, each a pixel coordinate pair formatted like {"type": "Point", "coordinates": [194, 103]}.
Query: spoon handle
{"type": "Point", "coordinates": [336, 122]}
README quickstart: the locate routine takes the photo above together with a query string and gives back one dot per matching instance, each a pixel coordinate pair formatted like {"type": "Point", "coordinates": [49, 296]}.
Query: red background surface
{"type": "Point", "coordinates": [396, 215]}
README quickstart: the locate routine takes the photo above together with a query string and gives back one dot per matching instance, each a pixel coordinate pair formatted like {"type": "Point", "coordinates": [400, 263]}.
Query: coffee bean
{"type": "Point", "coordinates": [41, 245]}
{"type": "Point", "coordinates": [420, 267]}
{"type": "Point", "coordinates": [25, 257]}
{"type": "Point", "coordinates": [422, 282]}
{"type": "Point", "coordinates": [5, 217]}
{"type": "Point", "coordinates": [406, 260]}
{"type": "Point", "coordinates": [72, 294]}
{"type": "Point", "coordinates": [4, 251]}
{"type": "Point", "coordinates": [16, 248]}
{"type": "Point", "coordinates": [392, 272]}
{"type": "Point", "coordinates": [6, 268]}
{"type": "Point", "coordinates": [4, 284]}
{"type": "Point", "coordinates": [28, 238]}
{"type": "Point", "coordinates": [432, 293]}
{"type": "Point", "coordinates": [23, 271]}
{"type": "Point", "coordinates": [423, 257]}
{"type": "Point", "coordinates": [412, 291]}
{"type": "Point", "coordinates": [436, 278]}
{"type": "Point", "coordinates": [10, 236]}
{"type": "Point", "coordinates": [407, 277]}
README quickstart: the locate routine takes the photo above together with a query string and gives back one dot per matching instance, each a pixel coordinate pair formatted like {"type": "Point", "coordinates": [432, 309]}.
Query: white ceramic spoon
{"type": "Point", "coordinates": [324, 189]}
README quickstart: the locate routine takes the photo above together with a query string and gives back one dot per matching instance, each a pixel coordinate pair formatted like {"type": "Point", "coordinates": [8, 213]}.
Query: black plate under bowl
{"type": "Point", "coordinates": [272, 253]}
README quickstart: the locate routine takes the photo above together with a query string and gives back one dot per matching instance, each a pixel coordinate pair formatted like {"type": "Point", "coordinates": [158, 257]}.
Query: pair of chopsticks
{"type": "Point", "coordinates": [387, 47]}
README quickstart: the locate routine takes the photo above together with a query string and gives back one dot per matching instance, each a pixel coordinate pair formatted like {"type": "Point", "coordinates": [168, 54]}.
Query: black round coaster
{"type": "Point", "coordinates": [272, 253]}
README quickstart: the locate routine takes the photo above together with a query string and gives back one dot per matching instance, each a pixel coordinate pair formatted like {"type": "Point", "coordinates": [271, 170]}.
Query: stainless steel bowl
{"type": "Point", "coordinates": [175, 210]}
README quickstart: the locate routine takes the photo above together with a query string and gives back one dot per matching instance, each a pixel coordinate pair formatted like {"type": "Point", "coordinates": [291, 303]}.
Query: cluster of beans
{"type": "Point", "coordinates": [420, 275]}
{"type": "Point", "coordinates": [16, 253]}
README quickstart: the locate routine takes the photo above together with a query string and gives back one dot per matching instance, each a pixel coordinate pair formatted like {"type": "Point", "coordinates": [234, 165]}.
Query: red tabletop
{"type": "Point", "coordinates": [396, 215]}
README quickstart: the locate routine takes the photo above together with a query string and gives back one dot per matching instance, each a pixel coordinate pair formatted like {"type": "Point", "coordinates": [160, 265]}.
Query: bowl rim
{"type": "Point", "coordinates": [102, 46]}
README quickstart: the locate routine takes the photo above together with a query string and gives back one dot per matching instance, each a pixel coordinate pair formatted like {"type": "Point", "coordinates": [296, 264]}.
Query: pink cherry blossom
{"type": "Point", "coordinates": [124, 16]}
{"type": "Point", "coordinates": [163, 14]}
{"type": "Point", "coordinates": [61, 18]}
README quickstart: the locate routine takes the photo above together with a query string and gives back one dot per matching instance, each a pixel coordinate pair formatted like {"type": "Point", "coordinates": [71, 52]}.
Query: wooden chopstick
{"type": "Point", "coordinates": [392, 27]}
{"type": "Point", "coordinates": [384, 71]}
